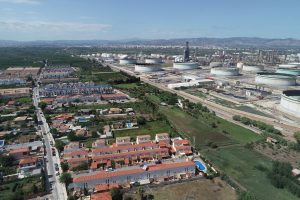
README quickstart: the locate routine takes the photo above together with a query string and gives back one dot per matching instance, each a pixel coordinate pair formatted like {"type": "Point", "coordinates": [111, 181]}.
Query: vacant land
{"type": "Point", "coordinates": [150, 128]}
{"type": "Point", "coordinates": [241, 164]}
{"type": "Point", "coordinates": [225, 133]}
{"type": "Point", "coordinates": [196, 190]}
{"type": "Point", "coordinates": [19, 189]}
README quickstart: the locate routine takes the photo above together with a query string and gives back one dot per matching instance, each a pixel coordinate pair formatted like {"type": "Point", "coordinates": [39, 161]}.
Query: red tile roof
{"type": "Point", "coordinates": [28, 160]}
{"type": "Point", "coordinates": [131, 153]}
{"type": "Point", "coordinates": [75, 160]}
{"type": "Point", "coordinates": [76, 152]}
{"type": "Point", "coordinates": [181, 142]}
{"type": "Point", "coordinates": [19, 150]}
{"type": "Point", "coordinates": [101, 196]}
{"type": "Point", "coordinates": [125, 147]}
{"type": "Point", "coordinates": [170, 165]}
{"type": "Point", "coordinates": [106, 175]}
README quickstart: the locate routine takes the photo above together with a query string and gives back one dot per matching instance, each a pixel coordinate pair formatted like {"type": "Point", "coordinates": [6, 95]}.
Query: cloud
{"type": "Point", "coordinates": [30, 2]}
{"type": "Point", "coordinates": [46, 29]}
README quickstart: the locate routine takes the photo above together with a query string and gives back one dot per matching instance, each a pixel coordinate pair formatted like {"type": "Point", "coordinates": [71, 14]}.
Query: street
{"type": "Point", "coordinates": [52, 181]}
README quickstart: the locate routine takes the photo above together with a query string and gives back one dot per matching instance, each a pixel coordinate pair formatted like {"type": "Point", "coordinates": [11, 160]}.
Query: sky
{"type": "Point", "coordinates": [147, 19]}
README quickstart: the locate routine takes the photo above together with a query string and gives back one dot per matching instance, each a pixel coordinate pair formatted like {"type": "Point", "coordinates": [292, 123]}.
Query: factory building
{"type": "Point", "coordinates": [186, 64]}
{"type": "Point", "coordinates": [290, 102]}
{"type": "Point", "coordinates": [190, 83]}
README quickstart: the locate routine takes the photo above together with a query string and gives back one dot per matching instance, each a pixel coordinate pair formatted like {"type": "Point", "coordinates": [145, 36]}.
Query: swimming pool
{"type": "Point", "coordinates": [200, 165]}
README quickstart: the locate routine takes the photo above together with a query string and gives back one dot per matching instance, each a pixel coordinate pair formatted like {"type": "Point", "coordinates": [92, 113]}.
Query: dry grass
{"type": "Point", "coordinates": [196, 190]}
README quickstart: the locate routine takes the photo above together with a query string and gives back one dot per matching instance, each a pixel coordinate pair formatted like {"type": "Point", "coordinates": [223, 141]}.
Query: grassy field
{"type": "Point", "coordinates": [150, 128]}
{"type": "Point", "coordinates": [252, 110]}
{"type": "Point", "coordinates": [240, 163]}
{"type": "Point", "coordinates": [126, 86]}
{"type": "Point", "coordinates": [204, 133]}
{"type": "Point", "coordinates": [196, 190]}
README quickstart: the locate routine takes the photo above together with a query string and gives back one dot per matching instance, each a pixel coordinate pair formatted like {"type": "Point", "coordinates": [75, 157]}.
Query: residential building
{"type": "Point", "coordinates": [61, 89]}
{"type": "Point", "coordinates": [15, 92]}
{"type": "Point", "coordinates": [143, 139]}
{"type": "Point", "coordinates": [123, 141]}
{"type": "Point", "coordinates": [163, 137]}
{"type": "Point", "coordinates": [134, 174]}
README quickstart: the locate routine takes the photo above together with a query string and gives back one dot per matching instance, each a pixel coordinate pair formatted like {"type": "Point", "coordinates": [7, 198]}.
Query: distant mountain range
{"type": "Point", "coordinates": [234, 42]}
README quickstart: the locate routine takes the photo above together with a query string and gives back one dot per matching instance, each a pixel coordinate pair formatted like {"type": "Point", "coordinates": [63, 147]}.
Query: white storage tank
{"type": "Point", "coordinates": [127, 61]}
{"type": "Point", "coordinates": [144, 67]}
{"type": "Point", "coordinates": [275, 79]}
{"type": "Point", "coordinates": [185, 65]}
{"type": "Point", "coordinates": [216, 64]}
{"type": "Point", "coordinates": [239, 65]}
{"type": "Point", "coordinates": [224, 71]}
{"type": "Point", "coordinates": [153, 60]}
{"type": "Point", "coordinates": [253, 68]}
{"type": "Point", "coordinates": [290, 102]}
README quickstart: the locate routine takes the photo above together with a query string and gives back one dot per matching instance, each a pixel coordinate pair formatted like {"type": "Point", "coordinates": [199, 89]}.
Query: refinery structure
{"type": "Point", "coordinates": [252, 81]}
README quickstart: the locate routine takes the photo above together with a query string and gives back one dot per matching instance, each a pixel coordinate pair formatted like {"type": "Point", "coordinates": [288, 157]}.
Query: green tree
{"type": "Point", "coordinates": [65, 178]}
{"type": "Point", "coordinates": [64, 166]}
{"type": "Point", "coordinates": [42, 105]}
{"type": "Point", "coordinates": [59, 145]}
{"type": "Point", "coordinates": [297, 136]}
{"type": "Point", "coordinates": [6, 161]}
{"type": "Point", "coordinates": [116, 194]}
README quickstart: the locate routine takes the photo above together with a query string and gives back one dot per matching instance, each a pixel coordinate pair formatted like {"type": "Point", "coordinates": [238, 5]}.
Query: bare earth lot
{"type": "Point", "coordinates": [196, 190]}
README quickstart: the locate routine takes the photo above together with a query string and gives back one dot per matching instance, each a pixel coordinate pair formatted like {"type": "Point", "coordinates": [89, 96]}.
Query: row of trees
{"type": "Point", "coordinates": [261, 125]}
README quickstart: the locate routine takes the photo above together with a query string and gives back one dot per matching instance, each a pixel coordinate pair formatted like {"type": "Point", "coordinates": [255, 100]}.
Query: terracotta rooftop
{"type": "Point", "coordinates": [101, 196]}
{"type": "Point", "coordinates": [131, 146]}
{"type": "Point", "coordinates": [131, 153]}
{"type": "Point", "coordinates": [19, 150]}
{"type": "Point", "coordinates": [76, 152]}
{"type": "Point", "coordinates": [106, 175]}
{"type": "Point", "coordinates": [28, 160]}
{"type": "Point", "coordinates": [75, 160]}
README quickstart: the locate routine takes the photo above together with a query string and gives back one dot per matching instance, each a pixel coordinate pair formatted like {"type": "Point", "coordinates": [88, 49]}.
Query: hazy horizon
{"type": "Point", "coordinates": [31, 20]}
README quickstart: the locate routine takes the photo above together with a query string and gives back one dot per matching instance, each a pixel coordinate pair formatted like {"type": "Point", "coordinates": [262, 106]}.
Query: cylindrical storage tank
{"type": "Point", "coordinates": [216, 64]}
{"type": "Point", "coordinates": [291, 65]}
{"type": "Point", "coordinates": [275, 79]}
{"type": "Point", "coordinates": [152, 60]}
{"type": "Point", "coordinates": [147, 68]}
{"type": "Point", "coordinates": [127, 61]}
{"type": "Point", "coordinates": [290, 102]}
{"type": "Point", "coordinates": [295, 72]}
{"type": "Point", "coordinates": [224, 71]}
{"type": "Point", "coordinates": [239, 65]}
{"type": "Point", "coordinates": [185, 65]}
{"type": "Point", "coordinates": [253, 68]}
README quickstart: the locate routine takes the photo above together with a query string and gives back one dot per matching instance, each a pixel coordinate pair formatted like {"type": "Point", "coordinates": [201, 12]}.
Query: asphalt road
{"type": "Point", "coordinates": [57, 189]}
